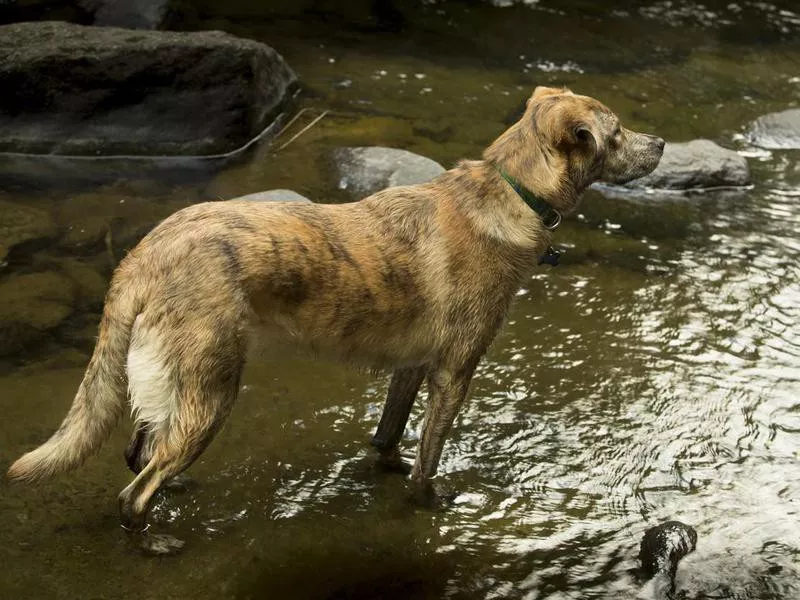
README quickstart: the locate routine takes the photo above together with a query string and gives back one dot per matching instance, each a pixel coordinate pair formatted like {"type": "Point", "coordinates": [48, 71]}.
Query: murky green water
{"type": "Point", "coordinates": [655, 375]}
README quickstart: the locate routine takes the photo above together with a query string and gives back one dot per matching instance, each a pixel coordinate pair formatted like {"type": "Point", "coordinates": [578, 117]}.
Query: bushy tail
{"type": "Point", "coordinates": [98, 404]}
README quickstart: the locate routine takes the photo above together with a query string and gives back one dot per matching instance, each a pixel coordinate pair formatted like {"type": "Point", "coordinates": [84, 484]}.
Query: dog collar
{"type": "Point", "coordinates": [551, 218]}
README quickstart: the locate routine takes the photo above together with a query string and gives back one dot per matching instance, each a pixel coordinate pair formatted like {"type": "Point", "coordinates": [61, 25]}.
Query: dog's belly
{"type": "Point", "coordinates": [372, 343]}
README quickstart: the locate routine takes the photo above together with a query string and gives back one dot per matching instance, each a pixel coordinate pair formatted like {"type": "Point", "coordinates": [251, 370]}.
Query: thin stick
{"type": "Point", "coordinates": [290, 123]}
{"type": "Point", "coordinates": [303, 130]}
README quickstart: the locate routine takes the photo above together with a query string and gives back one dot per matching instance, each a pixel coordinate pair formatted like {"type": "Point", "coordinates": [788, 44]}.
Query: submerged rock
{"type": "Point", "coordinates": [132, 14]}
{"type": "Point", "coordinates": [21, 225]}
{"type": "Point", "coordinates": [366, 170]}
{"type": "Point", "coordinates": [106, 91]}
{"type": "Point", "coordinates": [30, 306]}
{"type": "Point", "coordinates": [661, 549]}
{"type": "Point", "coordinates": [695, 165]}
{"type": "Point", "coordinates": [776, 131]}
{"type": "Point", "coordinates": [274, 196]}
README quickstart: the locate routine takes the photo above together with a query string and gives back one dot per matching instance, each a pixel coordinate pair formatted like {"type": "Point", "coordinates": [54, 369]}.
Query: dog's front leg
{"type": "Point", "coordinates": [446, 392]}
{"type": "Point", "coordinates": [399, 401]}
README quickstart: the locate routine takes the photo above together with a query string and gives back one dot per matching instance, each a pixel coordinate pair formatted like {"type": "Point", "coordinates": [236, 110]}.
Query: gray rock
{"type": "Point", "coordinates": [22, 224]}
{"type": "Point", "coordinates": [132, 14]}
{"type": "Point", "coordinates": [366, 170]}
{"type": "Point", "coordinates": [776, 131]}
{"type": "Point", "coordinates": [107, 91]}
{"type": "Point", "coordinates": [30, 306]}
{"type": "Point", "coordinates": [695, 165]}
{"type": "Point", "coordinates": [274, 196]}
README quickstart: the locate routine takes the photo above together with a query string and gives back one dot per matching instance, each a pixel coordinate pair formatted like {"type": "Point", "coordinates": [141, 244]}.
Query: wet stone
{"type": "Point", "coordinates": [100, 91]}
{"type": "Point", "coordinates": [90, 285]}
{"type": "Point", "coordinates": [20, 225]}
{"type": "Point", "coordinates": [366, 170]}
{"type": "Point", "coordinates": [30, 306]}
{"type": "Point", "coordinates": [776, 131]}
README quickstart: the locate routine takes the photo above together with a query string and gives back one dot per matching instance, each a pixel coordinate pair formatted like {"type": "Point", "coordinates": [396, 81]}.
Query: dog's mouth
{"type": "Point", "coordinates": [640, 157]}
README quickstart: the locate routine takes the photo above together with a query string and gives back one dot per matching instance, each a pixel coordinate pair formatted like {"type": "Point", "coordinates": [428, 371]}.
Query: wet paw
{"type": "Point", "coordinates": [395, 462]}
{"type": "Point", "coordinates": [433, 496]}
{"type": "Point", "coordinates": [179, 484]}
{"type": "Point", "coordinates": [160, 544]}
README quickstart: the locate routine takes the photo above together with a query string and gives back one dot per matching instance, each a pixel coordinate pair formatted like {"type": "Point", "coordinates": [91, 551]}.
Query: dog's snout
{"type": "Point", "coordinates": [660, 143]}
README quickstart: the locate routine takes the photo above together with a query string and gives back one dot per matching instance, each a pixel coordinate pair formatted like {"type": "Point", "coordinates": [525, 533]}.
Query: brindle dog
{"type": "Point", "coordinates": [415, 278]}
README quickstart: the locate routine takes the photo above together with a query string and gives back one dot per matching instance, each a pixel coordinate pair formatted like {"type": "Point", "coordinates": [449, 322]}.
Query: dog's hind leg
{"type": "Point", "coordinates": [136, 454]}
{"type": "Point", "coordinates": [200, 416]}
{"type": "Point", "coordinates": [181, 404]}
{"type": "Point", "coordinates": [399, 401]}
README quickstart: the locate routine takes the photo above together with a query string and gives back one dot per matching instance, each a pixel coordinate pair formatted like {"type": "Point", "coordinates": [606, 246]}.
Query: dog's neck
{"type": "Point", "coordinates": [542, 171]}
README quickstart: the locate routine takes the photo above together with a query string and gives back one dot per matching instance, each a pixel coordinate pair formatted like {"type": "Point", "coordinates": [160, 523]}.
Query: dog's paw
{"type": "Point", "coordinates": [432, 496]}
{"type": "Point", "coordinates": [160, 544]}
{"type": "Point", "coordinates": [394, 462]}
{"type": "Point", "coordinates": [180, 484]}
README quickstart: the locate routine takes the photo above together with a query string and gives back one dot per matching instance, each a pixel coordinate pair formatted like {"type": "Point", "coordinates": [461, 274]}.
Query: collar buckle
{"type": "Point", "coordinates": [554, 222]}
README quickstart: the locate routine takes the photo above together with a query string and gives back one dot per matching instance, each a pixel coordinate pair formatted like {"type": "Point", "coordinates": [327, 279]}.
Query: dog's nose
{"type": "Point", "coordinates": [660, 143]}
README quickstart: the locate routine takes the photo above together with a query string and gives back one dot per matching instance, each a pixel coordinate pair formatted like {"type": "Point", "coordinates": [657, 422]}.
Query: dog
{"type": "Point", "coordinates": [417, 279]}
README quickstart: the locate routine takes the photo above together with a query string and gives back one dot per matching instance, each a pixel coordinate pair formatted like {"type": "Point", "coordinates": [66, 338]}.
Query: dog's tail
{"type": "Point", "coordinates": [98, 404]}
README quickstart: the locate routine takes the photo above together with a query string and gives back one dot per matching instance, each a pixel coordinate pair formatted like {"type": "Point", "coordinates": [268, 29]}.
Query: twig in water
{"type": "Point", "coordinates": [290, 123]}
{"type": "Point", "coordinates": [303, 130]}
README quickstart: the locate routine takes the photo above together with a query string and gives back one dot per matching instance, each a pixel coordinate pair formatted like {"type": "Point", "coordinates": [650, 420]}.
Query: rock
{"type": "Point", "coordinates": [695, 165]}
{"type": "Point", "coordinates": [776, 131]}
{"type": "Point", "coordinates": [90, 285]}
{"type": "Point", "coordinates": [30, 306]}
{"type": "Point", "coordinates": [274, 196]}
{"type": "Point", "coordinates": [22, 224]}
{"type": "Point", "coordinates": [132, 14]}
{"type": "Point", "coordinates": [107, 91]}
{"type": "Point", "coordinates": [366, 170]}
{"type": "Point", "coordinates": [88, 236]}
{"type": "Point", "coordinates": [661, 549]}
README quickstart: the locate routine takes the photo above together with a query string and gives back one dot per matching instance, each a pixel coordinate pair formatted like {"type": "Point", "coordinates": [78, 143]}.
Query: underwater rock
{"type": "Point", "coordinates": [131, 14]}
{"type": "Point", "coordinates": [274, 196]}
{"type": "Point", "coordinates": [22, 225]}
{"type": "Point", "coordinates": [366, 170]}
{"type": "Point", "coordinates": [661, 549]}
{"type": "Point", "coordinates": [30, 306]}
{"type": "Point", "coordinates": [102, 91]}
{"type": "Point", "coordinates": [776, 131]}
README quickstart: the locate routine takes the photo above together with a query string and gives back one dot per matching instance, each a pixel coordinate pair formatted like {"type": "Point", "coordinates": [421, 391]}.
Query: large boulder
{"type": "Point", "coordinates": [104, 91]}
{"type": "Point", "coordinates": [365, 170]}
{"type": "Point", "coordinates": [696, 165]}
{"type": "Point", "coordinates": [776, 131]}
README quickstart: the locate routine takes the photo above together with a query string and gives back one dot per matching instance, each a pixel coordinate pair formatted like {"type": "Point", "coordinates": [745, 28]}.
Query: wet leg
{"type": "Point", "coordinates": [399, 401]}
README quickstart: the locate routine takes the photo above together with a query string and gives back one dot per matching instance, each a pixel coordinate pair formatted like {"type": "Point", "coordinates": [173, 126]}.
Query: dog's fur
{"type": "Point", "coordinates": [414, 278]}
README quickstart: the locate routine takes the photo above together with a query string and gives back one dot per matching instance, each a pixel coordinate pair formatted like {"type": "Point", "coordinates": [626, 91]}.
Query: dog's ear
{"type": "Point", "coordinates": [543, 91]}
{"type": "Point", "coordinates": [584, 135]}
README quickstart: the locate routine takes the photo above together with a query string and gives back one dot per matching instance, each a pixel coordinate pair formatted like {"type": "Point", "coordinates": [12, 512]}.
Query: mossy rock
{"type": "Point", "coordinates": [22, 225]}
{"type": "Point", "coordinates": [31, 306]}
{"type": "Point", "coordinates": [90, 285]}
{"type": "Point", "coordinates": [85, 237]}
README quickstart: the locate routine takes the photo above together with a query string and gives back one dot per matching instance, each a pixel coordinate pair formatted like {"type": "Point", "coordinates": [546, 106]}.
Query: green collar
{"type": "Point", "coordinates": [551, 218]}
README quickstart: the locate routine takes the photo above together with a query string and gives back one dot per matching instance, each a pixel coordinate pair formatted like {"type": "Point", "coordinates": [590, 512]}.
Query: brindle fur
{"type": "Point", "coordinates": [414, 278]}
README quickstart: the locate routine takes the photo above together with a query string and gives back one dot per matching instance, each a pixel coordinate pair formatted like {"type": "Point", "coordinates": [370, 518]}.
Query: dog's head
{"type": "Point", "coordinates": [564, 142]}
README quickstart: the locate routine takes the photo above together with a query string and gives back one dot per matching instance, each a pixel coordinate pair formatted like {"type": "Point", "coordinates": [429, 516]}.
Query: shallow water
{"type": "Point", "coordinates": [655, 375]}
